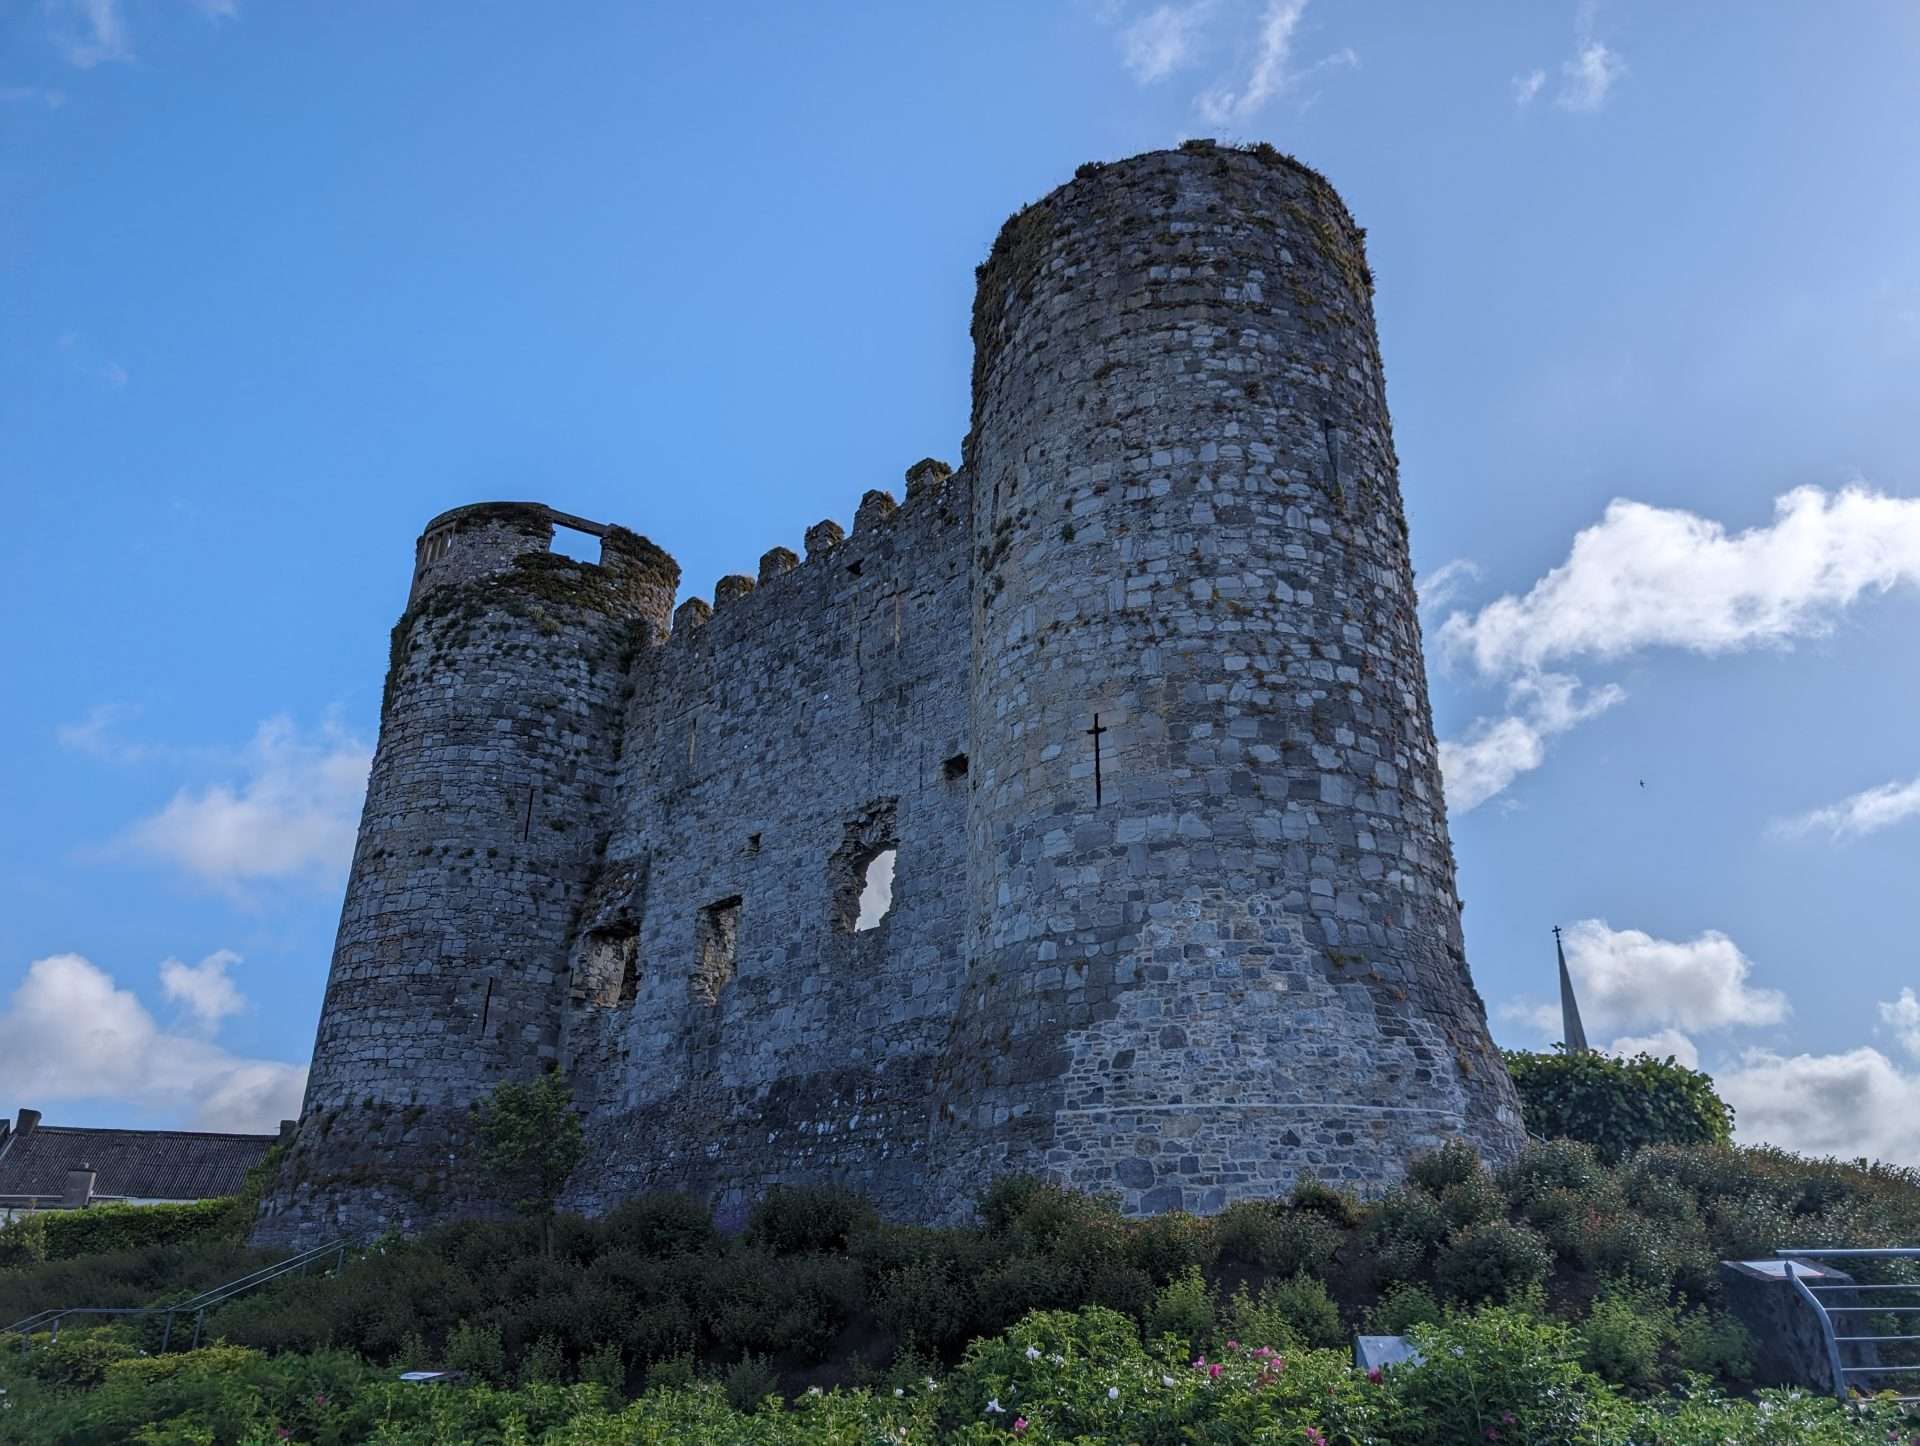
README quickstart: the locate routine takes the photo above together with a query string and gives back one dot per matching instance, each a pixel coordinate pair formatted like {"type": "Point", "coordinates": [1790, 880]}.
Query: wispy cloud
{"type": "Point", "coordinates": [1865, 812]}
{"type": "Point", "coordinates": [24, 94]}
{"type": "Point", "coordinates": [291, 815]}
{"type": "Point", "coordinates": [1902, 1016]}
{"type": "Point", "coordinates": [70, 1032]}
{"type": "Point", "coordinates": [1272, 72]}
{"type": "Point", "coordinates": [1855, 1104]}
{"type": "Point", "coordinates": [1526, 87]}
{"type": "Point", "coordinates": [204, 989]}
{"type": "Point", "coordinates": [1651, 577]}
{"type": "Point", "coordinates": [285, 807]}
{"type": "Point", "coordinates": [88, 359]}
{"type": "Point", "coordinates": [90, 32]}
{"type": "Point", "coordinates": [1494, 752]}
{"type": "Point", "coordinates": [1162, 41]}
{"type": "Point", "coordinates": [1588, 79]}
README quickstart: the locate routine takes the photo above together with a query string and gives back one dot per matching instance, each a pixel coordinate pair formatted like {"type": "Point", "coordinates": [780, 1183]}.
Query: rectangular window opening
{"type": "Point", "coordinates": [716, 943]}
{"type": "Point", "coordinates": [608, 972]}
{"type": "Point", "coordinates": [578, 545]}
{"type": "Point", "coordinates": [955, 767]}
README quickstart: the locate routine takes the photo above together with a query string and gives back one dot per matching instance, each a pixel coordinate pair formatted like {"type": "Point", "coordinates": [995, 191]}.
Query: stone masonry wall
{"type": "Point", "coordinates": [1137, 696]}
{"type": "Point", "coordinates": [772, 749]}
{"type": "Point", "coordinates": [1228, 952]}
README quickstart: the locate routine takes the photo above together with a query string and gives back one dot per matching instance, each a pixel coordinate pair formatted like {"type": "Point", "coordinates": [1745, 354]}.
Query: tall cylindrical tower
{"type": "Point", "coordinates": [1214, 937]}
{"type": "Point", "coordinates": [486, 814]}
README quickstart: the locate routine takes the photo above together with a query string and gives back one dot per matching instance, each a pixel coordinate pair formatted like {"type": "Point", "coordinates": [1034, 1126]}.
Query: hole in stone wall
{"type": "Point", "coordinates": [578, 545]}
{"type": "Point", "coordinates": [955, 767]}
{"type": "Point", "coordinates": [860, 873]}
{"type": "Point", "coordinates": [716, 941]}
{"type": "Point", "coordinates": [876, 891]}
{"type": "Point", "coordinates": [609, 967]}
{"type": "Point", "coordinates": [753, 843]}
{"type": "Point", "coordinates": [854, 568]}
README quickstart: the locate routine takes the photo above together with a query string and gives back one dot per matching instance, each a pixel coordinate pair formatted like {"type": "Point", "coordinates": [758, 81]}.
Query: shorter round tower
{"type": "Point", "coordinates": [487, 812]}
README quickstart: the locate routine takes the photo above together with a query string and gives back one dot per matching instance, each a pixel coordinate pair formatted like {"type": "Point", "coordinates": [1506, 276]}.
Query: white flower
{"type": "Point", "coordinates": [994, 1407]}
{"type": "Point", "coordinates": [1058, 1360]}
{"type": "Point", "coordinates": [932, 1385]}
{"type": "Point", "coordinates": [1033, 1353]}
{"type": "Point", "coordinates": [898, 1391]}
{"type": "Point", "coordinates": [1168, 1381]}
{"type": "Point", "coordinates": [1113, 1393]}
{"type": "Point", "coordinates": [813, 1391]}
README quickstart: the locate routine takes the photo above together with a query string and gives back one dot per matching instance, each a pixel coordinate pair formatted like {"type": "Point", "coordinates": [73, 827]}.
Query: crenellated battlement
{"type": "Point", "coordinates": [1131, 706]}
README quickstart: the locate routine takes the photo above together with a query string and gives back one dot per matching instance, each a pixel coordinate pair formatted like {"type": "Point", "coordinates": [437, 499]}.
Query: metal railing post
{"type": "Point", "coordinates": [199, 1320]}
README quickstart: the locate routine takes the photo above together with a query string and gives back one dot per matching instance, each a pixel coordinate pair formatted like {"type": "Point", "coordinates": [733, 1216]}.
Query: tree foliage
{"type": "Point", "coordinates": [1618, 1105]}
{"type": "Point", "coordinates": [530, 1139]}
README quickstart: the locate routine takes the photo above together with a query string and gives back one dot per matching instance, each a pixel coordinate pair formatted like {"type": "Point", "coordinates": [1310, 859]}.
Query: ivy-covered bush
{"type": "Point", "coordinates": [1618, 1106]}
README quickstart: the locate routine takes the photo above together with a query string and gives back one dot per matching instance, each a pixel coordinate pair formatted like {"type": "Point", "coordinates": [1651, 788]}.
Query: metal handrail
{"type": "Point", "coordinates": [1825, 1313]}
{"type": "Point", "coordinates": [198, 1305]}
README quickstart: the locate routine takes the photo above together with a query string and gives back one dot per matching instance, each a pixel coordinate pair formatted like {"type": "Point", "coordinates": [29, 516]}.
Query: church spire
{"type": "Point", "coordinates": [1572, 1034]}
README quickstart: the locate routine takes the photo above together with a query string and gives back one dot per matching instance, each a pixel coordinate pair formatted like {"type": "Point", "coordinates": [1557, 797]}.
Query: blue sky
{"type": "Point", "coordinates": [282, 281]}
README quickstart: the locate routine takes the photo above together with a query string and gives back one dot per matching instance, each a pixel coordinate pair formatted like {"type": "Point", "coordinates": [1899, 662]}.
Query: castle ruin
{"type": "Point", "coordinates": [1135, 697]}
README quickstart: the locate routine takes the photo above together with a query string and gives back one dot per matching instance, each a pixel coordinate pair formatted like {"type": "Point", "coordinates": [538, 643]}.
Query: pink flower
{"type": "Point", "coordinates": [1506, 1418]}
{"type": "Point", "coordinates": [1314, 1437]}
{"type": "Point", "coordinates": [319, 1398]}
{"type": "Point", "coordinates": [1213, 1373]}
{"type": "Point", "coordinates": [1233, 1345]}
{"type": "Point", "coordinates": [1376, 1375]}
{"type": "Point", "coordinates": [1019, 1424]}
{"type": "Point", "coordinates": [1492, 1434]}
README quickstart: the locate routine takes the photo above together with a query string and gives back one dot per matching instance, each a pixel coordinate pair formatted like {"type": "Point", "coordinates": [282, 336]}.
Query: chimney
{"type": "Point", "coordinates": [79, 1192]}
{"type": "Point", "coordinates": [24, 1123]}
{"type": "Point", "coordinates": [286, 1130]}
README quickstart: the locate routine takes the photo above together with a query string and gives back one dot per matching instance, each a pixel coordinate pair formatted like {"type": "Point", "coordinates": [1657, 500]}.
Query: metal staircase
{"type": "Point", "coordinates": [197, 1307]}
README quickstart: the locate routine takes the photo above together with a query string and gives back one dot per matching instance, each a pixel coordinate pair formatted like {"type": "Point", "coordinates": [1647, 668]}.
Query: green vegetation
{"type": "Point", "coordinates": [530, 1141]}
{"type": "Point", "coordinates": [1618, 1105]}
{"type": "Point", "coordinates": [1559, 1299]}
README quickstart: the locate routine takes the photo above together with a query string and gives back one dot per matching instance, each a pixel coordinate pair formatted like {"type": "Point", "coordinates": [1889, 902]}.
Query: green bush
{"type": "Point", "coordinates": [1402, 1308]}
{"type": "Point", "coordinates": [23, 1240]}
{"type": "Point", "coordinates": [1165, 1245]}
{"type": "Point", "coordinates": [1499, 1374]}
{"type": "Point", "coordinates": [749, 1381]}
{"type": "Point", "coordinates": [1454, 1163]}
{"type": "Point", "coordinates": [1621, 1338]}
{"type": "Point", "coordinates": [1339, 1208]}
{"type": "Point", "coordinates": [1618, 1105]}
{"type": "Point", "coordinates": [804, 1219]}
{"type": "Point", "coordinates": [476, 1349]}
{"type": "Point", "coordinates": [1285, 1314]}
{"type": "Point", "coordinates": [1281, 1241]}
{"type": "Point", "coordinates": [1493, 1261]}
{"type": "Point", "coordinates": [1183, 1309]}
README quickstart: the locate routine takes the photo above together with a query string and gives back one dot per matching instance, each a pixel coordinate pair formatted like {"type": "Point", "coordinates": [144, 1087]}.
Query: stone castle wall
{"type": "Point", "coordinates": [1225, 953]}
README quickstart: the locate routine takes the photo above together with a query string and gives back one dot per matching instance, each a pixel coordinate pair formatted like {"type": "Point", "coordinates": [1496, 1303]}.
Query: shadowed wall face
{"type": "Point", "coordinates": [1214, 937]}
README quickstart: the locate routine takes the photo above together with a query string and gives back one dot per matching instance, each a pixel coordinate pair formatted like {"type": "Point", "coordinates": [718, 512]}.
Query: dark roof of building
{"type": "Point", "coordinates": [138, 1164]}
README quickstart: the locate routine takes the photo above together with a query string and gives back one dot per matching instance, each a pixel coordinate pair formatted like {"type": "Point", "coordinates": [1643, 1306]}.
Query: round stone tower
{"type": "Point", "coordinates": [1213, 934]}
{"type": "Point", "coordinates": [486, 814]}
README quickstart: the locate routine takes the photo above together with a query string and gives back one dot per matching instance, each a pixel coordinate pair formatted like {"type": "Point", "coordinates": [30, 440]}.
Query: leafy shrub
{"type": "Point", "coordinates": [100, 1228]}
{"type": "Point", "coordinates": [80, 1358]}
{"type": "Point", "coordinates": [1453, 1163]}
{"type": "Point", "coordinates": [1165, 1245]}
{"type": "Point", "coordinates": [1408, 1226]}
{"type": "Point", "coordinates": [1493, 1261]}
{"type": "Point", "coordinates": [1280, 1240]}
{"type": "Point", "coordinates": [1002, 1201]}
{"type": "Point", "coordinates": [476, 1349]}
{"type": "Point", "coordinates": [662, 1224]}
{"type": "Point", "coordinates": [749, 1381]}
{"type": "Point", "coordinates": [1549, 1165]}
{"type": "Point", "coordinates": [1182, 1309]}
{"type": "Point", "coordinates": [1620, 1339]}
{"type": "Point", "coordinates": [1337, 1206]}
{"type": "Point", "coordinates": [603, 1367]}
{"type": "Point", "coordinates": [1618, 1105]}
{"type": "Point", "coordinates": [23, 1240]}
{"type": "Point", "coordinates": [1472, 1200]}
{"type": "Point", "coordinates": [1286, 1313]}
{"type": "Point", "coordinates": [1712, 1343]}
{"type": "Point", "coordinates": [1401, 1309]}
{"type": "Point", "coordinates": [1498, 1374]}
{"type": "Point", "coordinates": [805, 1219]}
{"type": "Point", "coordinates": [543, 1363]}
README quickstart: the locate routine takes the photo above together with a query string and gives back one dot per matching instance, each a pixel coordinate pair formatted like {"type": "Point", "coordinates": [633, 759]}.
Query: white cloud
{"type": "Point", "coordinates": [1862, 813]}
{"type": "Point", "coordinates": [1159, 43]}
{"type": "Point", "coordinates": [218, 9]}
{"type": "Point", "coordinates": [96, 734]}
{"type": "Point", "coordinates": [1854, 1104]}
{"type": "Point", "coordinates": [1628, 979]}
{"type": "Point", "coordinates": [91, 31]}
{"type": "Point", "coordinates": [71, 1033]}
{"type": "Point", "coordinates": [1526, 87]}
{"type": "Point", "coordinates": [1436, 589]}
{"type": "Point", "coordinates": [1660, 1044]}
{"type": "Point", "coordinates": [204, 988]}
{"type": "Point", "coordinates": [1658, 576]}
{"type": "Point", "coordinates": [51, 99]}
{"type": "Point", "coordinates": [293, 814]}
{"type": "Point", "coordinates": [1588, 79]}
{"type": "Point", "coordinates": [1902, 1016]}
{"type": "Point", "coordinates": [1645, 577]}
{"type": "Point", "coordinates": [1494, 752]}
